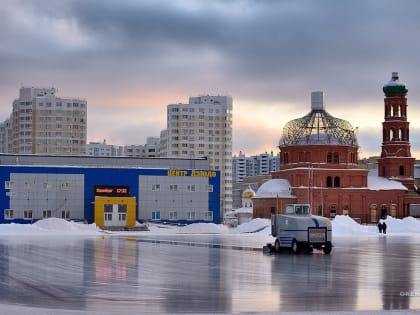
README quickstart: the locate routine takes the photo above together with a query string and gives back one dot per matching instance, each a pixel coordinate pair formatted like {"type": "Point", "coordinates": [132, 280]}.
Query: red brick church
{"type": "Point", "coordinates": [319, 165]}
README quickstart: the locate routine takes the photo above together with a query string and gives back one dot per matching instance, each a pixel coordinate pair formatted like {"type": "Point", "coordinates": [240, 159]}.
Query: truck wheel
{"type": "Point", "coordinates": [327, 248]}
{"type": "Point", "coordinates": [277, 245]}
{"type": "Point", "coordinates": [295, 247]}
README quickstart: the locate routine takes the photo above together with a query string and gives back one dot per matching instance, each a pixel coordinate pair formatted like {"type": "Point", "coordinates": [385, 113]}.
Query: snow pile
{"type": "Point", "coordinates": [401, 226]}
{"type": "Point", "coordinates": [204, 228]}
{"type": "Point", "coordinates": [253, 226]}
{"type": "Point", "coordinates": [343, 225]}
{"type": "Point", "coordinates": [50, 226]}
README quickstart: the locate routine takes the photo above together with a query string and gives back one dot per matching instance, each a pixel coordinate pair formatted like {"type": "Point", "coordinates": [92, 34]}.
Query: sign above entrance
{"type": "Point", "coordinates": [192, 173]}
{"type": "Point", "coordinates": [114, 191]}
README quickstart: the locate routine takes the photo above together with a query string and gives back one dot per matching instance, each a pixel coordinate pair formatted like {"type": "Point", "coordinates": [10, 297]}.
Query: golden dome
{"type": "Point", "coordinates": [248, 193]}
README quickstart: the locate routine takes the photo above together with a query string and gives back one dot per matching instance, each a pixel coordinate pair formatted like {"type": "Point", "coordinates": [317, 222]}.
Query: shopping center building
{"type": "Point", "coordinates": [108, 191]}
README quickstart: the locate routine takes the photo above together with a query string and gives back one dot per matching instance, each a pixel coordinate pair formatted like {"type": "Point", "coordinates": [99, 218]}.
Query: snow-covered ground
{"type": "Point", "coordinates": [342, 226]}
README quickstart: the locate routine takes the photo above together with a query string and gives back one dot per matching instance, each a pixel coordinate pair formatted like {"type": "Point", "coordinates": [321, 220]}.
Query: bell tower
{"type": "Point", "coordinates": [396, 162]}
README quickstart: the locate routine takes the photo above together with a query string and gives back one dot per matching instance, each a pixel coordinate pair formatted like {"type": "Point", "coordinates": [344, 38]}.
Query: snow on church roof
{"type": "Point", "coordinates": [275, 187]}
{"type": "Point", "coordinates": [376, 182]}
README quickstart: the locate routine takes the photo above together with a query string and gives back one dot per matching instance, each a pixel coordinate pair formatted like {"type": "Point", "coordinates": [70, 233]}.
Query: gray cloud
{"type": "Point", "coordinates": [261, 51]}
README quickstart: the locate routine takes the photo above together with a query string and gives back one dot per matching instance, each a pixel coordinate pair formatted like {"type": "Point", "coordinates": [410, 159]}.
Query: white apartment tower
{"type": "Point", "coordinates": [203, 128]}
{"type": "Point", "coordinates": [256, 165]}
{"type": "Point", "coordinates": [44, 123]}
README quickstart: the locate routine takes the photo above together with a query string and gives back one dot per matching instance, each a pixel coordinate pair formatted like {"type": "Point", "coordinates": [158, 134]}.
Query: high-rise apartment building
{"type": "Point", "coordinates": [42, 122]}
{"type": "Point", "coordinates": [203, 128]}
{"type": "Point", "coordinates": [256, 165]}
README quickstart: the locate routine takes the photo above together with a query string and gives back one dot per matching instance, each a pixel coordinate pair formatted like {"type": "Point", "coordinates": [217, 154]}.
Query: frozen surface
{"type": "Point", "coordinates": [59, 267]}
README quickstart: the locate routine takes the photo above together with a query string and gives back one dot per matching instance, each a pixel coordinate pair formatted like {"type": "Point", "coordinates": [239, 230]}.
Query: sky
{"type": "Point", "coordinates": [130, 59]}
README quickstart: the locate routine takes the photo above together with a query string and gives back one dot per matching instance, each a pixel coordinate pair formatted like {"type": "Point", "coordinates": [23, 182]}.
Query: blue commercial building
{"type": "Point", "coordinates": [166, 194]}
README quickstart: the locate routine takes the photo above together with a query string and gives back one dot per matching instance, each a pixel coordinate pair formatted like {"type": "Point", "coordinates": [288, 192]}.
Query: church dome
{"type": "Point", "coordinates": [248, 193]}
{"type": "Point", "coordinates": [318, 127]}
{"type": "Point", "coordinates": [395, 86]}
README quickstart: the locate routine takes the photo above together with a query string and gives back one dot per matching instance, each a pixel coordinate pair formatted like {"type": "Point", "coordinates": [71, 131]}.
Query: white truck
{"type": "Point", "coordinates": [299, 230]}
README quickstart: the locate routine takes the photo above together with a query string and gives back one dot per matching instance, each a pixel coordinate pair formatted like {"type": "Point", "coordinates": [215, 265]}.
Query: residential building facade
{"type": "Point", "coordinates": [43, 123]}
{"type": "Point", "coordinates": [150, 149]}
{"type": "Point", "coordinates": [104, 149]}
{"type": "Point", "coordinates": [203, 128]}
{"type": "Point", "coordinates": [256, 165]}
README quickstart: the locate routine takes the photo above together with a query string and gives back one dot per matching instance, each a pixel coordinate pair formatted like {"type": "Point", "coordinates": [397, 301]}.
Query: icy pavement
{"type": "Point", "coordinates": [59, 267]}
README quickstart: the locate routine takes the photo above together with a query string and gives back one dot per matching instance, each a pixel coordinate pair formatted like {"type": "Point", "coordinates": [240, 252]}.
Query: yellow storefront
{"type": "Point", "coordinates": [115, 211]}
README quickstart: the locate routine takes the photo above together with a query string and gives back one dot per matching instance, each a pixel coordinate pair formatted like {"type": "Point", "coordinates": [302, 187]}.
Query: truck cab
{"type": "Point", "coordinates": [299, 230]}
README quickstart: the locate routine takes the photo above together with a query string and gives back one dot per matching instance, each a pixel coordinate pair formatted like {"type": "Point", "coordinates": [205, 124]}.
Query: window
{"type": "Point", "coordinates": [9, 185]}
{"type": "Point", "coordinates": [329, 157]}
{"type": "Point", "coordinates": [173, 215]}
{"type": "Point", "coordinates": [155, 215]}
{"type": "Point", "coordinates": [46, 214]}
{"type": "Point", "coordinates": [191, 187]}
{"type": "Point", "coordinates": [47, 185]}
{"type": "Point", "coordinates": [329, 181]}
{"type": "Point", "coordinates": [208, 216]}
{"type": "Point", "coordinates": [27, 214]}
{"type": "Point", "coordinates": [333, 210]}
{"type": "Point", "coordinates": [191, 215]}
{"type": "Point", "coordinates": [336, 158]}
{"type": "Point", "coordinates": [336, 181]}
{"type": "Point", "coordinates": [173, 187]}
{"type": "Point", "coordinates": [9, 214]}
{"type": "Point", "coordinates": [65, 186]}
{"type": "Point", "coordinates": [210, 188]}
{"type": "Point", "coordinates": [156, 187]}
{"type": "Point", "coordinates": [122, 212]}
{"type": "Point", "coordinates": [401, 170]}
{"type": "Point", "coordinates": [108, 208]}
{"type": "Point", "coordinates": [65, 214]}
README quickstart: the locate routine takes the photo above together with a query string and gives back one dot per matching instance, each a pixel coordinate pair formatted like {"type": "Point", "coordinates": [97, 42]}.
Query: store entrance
{"type": "Point", "coordinates": [115, 214]}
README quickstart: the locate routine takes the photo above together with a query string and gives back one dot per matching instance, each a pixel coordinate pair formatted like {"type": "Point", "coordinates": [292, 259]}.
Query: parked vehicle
{"type": "Point", "coordinates": [299, 230]}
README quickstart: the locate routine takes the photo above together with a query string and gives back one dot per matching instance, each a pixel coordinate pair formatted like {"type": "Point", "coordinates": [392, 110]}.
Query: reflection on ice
{"type": "Point", "coordinates": [135, 275]}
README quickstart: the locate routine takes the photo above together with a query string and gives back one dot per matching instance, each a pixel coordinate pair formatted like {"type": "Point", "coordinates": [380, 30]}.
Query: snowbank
{"type": "Point", "coordinates": [50, 226]}
{"type": "Point", "coordinates": [342, 225]}
{"type": "Point", "coordinates": [257, 225]}
{"type": "Point", "coordinates": [204, 228]}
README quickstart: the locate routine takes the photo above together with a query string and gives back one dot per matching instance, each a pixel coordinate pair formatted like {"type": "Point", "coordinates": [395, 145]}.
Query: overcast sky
{"type": "Point", "coordinates": [130, 59]}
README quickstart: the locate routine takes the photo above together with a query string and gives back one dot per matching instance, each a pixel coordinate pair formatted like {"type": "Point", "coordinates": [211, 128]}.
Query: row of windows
{"type": "Point", "coordinates": [191, 215]}
{"type": "Point", "coordinates": [29, 185]}
{"type": "Point", "coordinates": [331, 157]}
{"type": "Point", "coordinates": [29, 214]}
{"type": "Point", "coordinates": [201, 132]}
{"type": "Point", "coordinates": [200, 110]}
{"type": "Point", "coordinates": [333, 182]}
{"type": "Point", "coordinates": [60, 104]}
{"type": "Point", "coordinates": [175, 187]}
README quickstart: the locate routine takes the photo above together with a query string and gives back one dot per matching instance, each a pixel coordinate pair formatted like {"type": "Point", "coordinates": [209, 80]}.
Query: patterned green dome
{"type": "Point", "coordinates": [395, 86]}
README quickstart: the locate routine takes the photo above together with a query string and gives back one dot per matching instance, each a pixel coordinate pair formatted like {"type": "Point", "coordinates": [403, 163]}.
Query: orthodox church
{"type": "Point", "coordinates": [319, 165]}
{"type": "Point", "coordinates": [244, 214]}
